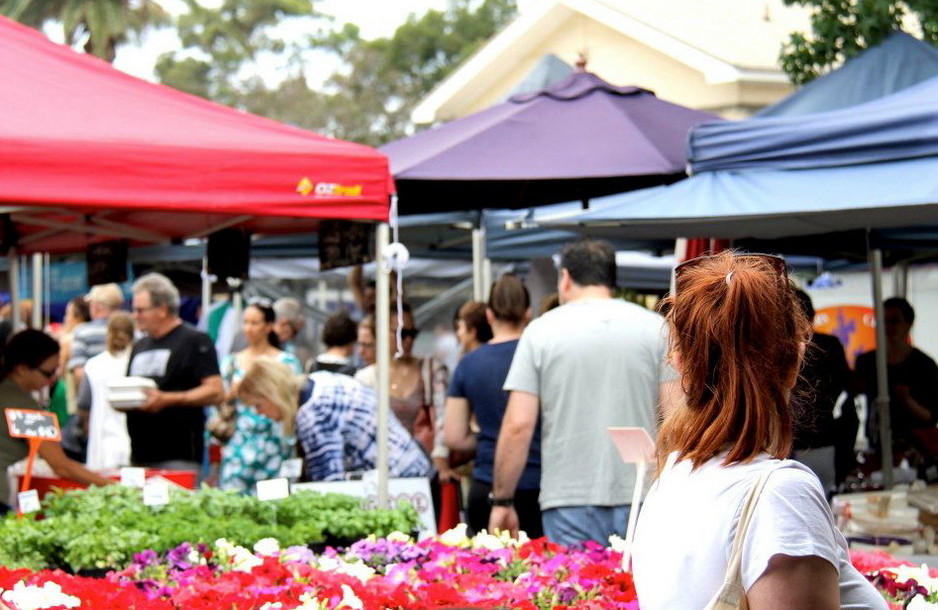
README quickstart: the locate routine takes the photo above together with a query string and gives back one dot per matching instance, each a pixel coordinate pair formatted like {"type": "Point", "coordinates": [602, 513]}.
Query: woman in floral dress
{"type": "Point", "coordinates": [258, 445]}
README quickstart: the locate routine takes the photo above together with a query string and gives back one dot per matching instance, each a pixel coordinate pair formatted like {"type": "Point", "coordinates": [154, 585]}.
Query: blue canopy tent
{"type": "Point", "coordinates": [899, 61]}
{"type": "Point", "coordinates": [869, 167]}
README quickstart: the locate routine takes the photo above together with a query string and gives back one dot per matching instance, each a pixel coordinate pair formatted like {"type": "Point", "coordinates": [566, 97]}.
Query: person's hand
{"type": "Point", "coordinates": [504, 519]}
{"type": "Point", "coordinates": [444, 472]}
{"type": "Point", "coordinates": [902, 392]}
{"type": "Point", "coordinates": [156, 401]}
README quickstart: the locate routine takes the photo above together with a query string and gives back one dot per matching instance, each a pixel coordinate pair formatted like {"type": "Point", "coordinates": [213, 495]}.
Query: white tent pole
{"type": "Point", "coordinates": [882, 379]}
{"type": "Point", "coordinates": [37, 291]}
{"type": "Point", "coordinates": [900, 279]}
{"type": "Point", "coordinates": [14, 261]}
{"type": "Point", "coordinates": [478, 261]}
{"type": "Point", "coordinates": [206, 288]}
{"type": "Point", "coordinates": [382, 337]}
{"type": "Point", "coordinates": [47, 286]}
{"type": "Point", "coordinates": [486, 279]}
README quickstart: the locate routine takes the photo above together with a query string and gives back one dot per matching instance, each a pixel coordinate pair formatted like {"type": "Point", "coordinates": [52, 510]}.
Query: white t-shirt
{"type": "Point", "coordinates": [593, 363]}
{"type": "Point", "coordinates": [688, 521]}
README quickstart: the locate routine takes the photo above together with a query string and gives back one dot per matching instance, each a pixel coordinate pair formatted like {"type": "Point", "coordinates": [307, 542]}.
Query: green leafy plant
{"type": "Point", "coordinates": [102, 527]}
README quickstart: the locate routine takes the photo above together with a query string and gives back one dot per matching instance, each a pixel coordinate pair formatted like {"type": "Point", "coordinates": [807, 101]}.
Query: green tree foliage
{"type": "Point", "coordinates": [372, 101]}
{"type": "Point", "coordinates": [368, 99]}
{"type": "Point", "coordinates": [219, 42]}
{"type": "Point", "coordinates": [843, 28]}
{"type": "Point", "coordinates": [102, 24]}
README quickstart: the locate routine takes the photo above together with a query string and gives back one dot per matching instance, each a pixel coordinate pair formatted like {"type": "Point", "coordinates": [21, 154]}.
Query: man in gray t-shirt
{"type": "Point", "coordinates": [592, 363]}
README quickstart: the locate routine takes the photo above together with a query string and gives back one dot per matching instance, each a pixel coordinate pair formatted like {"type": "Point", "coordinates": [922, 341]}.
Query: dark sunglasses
{"type": "Point", "coordinates": [48, 374]}
{"type": "Point", "coordinates": [778, 264]}
{"type": "Point", "coordinates": [409, 332]}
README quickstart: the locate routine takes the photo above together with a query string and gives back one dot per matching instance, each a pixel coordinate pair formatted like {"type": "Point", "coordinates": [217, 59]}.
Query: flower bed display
{"type": "Point", "coordinates": [393, 572]}
{"type": "Point", "coordinates": [390, 570]}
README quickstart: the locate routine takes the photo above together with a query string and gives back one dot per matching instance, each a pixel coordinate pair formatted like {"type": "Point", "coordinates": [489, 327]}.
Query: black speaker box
{"type": "Point", "coordinates": [107, 262]}
{"type": "Point", "coordinates": [229, 253]}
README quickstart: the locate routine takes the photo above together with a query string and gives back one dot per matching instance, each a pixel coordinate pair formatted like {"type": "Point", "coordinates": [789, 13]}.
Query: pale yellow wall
{"type": "Point", "coordinates": [623, 61]}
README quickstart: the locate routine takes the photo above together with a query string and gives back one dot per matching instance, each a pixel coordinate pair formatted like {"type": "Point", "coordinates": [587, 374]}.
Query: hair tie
{"type": "Point", "coordinates": [729, 276]}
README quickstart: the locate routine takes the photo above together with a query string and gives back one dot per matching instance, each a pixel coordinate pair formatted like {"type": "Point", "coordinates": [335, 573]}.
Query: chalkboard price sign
{"type": "Point", "coordinates": [30, 423]}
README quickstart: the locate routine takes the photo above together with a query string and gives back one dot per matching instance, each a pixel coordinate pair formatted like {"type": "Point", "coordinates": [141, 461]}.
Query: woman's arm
{"type": "Point", "coordinates": [456, 430]}
{"type": "Point", "coordinates": [68, 468]}
{"type": "Point", "coordinates": [796, 582]}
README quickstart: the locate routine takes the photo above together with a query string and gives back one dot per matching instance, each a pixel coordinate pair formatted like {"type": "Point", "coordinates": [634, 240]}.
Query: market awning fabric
{"type": "Point", "coordinates": [80, 138]}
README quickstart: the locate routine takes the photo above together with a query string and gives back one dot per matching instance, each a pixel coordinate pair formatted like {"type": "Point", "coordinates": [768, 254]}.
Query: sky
{"type": "Point", "coordinates": [375, 19]}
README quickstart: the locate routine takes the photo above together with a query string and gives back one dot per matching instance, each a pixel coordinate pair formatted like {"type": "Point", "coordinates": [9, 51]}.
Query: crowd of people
{"type": "Point", "coordinates": [731, 380]}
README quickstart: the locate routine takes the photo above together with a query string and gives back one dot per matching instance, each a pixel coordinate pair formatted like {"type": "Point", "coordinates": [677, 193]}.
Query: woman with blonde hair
{"type": "Point", "coordinates": [737, 339]}
{"type": "Point", "coordinates": [108, 440]}
{"type": "Point", "coordinates": [273, 388]}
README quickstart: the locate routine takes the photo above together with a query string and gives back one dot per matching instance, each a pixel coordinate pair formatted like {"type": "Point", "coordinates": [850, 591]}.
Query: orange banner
{"type": "Point", "coordinates": [854, 325]}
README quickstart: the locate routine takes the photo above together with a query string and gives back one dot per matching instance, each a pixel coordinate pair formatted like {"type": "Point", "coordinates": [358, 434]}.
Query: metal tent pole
{"type": "Point", "coordinates": [478, 264]}
{"type": "Point", "coordinates": [383, 356]}
{"type": "Point", "coordinates": [882, 377]}
{"type": "Point", "coordinates": [36, 320]}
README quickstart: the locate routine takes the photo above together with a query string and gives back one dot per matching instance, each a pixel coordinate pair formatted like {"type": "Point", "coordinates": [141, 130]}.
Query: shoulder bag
{"type": "Point", "coordinates": [732, 595]}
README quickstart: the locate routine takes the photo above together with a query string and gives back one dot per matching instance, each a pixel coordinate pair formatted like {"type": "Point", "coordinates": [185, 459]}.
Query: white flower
{"type": "Point", "coordinates": [267, 546]}
{"type": "Point", "coordinates": [617, 544]}
{"type": "Point", "coordinates": [485, 540]}
{"type": "Point", "coordinates": [350, 600]}
{"type": "Point", "coordinates": [271, 606]}
{"type": "Point", "coordinates": [244, 560]}
{"type": "Point", "coordinates": [357, 568]}
{"type": "Point", "coordinates": [503, 540]}
{"type": "Point", "coordinates": [31, 597]}
{"type": "Point", "coordinates": [223, 546]}
{"type": "Point", "coordinates": [311, 603]}
{"type": "Point", "coordinates": [399, 537]}
{"type": "Point", "coordinates": [456, 537]}
{"type": "Point", "coordinates": [919, 573]}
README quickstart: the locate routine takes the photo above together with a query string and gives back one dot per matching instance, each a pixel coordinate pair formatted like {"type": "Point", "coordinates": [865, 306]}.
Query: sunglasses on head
{"type": "Point", "coordinates": [777, 263]}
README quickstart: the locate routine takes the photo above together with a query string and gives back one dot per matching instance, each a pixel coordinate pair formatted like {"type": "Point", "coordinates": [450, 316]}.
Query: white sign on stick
{"type": "Point", "coordinates": [273, 489]}
{"type": "Point", "coordinates": [28, 501]}
{"type": "Point", "coordinates": [156, 492]}
{"type": "Point", "coordinates": [133, 477]}
{"type": "Point", "coordinates": [635, 447]}
{"type": "Point", "coordinates": [633, 444]}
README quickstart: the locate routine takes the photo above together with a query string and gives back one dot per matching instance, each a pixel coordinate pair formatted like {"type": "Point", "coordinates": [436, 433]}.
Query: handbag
{"type": "Point", "coordinates": [732, 595]}
{"type": "Point", "coordinates": [221, 424]}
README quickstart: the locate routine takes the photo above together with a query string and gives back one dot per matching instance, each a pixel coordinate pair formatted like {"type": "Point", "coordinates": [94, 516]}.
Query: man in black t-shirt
{"type": "Point", "coordinates": [168, 431]}
{"type": "Point", "coordinates": [913, 382]}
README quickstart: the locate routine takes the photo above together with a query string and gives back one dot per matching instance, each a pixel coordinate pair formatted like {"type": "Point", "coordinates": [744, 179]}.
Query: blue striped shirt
{"type": "Point", "coordinates": [337, 429]}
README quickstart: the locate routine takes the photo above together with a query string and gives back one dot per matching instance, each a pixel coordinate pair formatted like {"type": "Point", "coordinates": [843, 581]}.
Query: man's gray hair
{"type": "Point", "coordinates": [290, 309]}
{"type": "Point", "coordinates": [161, 289]}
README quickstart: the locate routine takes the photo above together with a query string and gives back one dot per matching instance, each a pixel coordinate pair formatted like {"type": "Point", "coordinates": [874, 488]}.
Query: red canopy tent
{"type": "Point", "coordinates": [88, 153]}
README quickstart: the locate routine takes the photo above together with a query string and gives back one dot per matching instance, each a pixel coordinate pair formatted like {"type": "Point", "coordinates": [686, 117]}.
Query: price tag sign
{"type": "Point", "coordinates": [291, 469]}
{"type": "Point", "coordinates": [133, 477]}
{"type": "Point", "coordinates": [273, 489]}
{"type": "Point", "coordinates": [33, 423]}
{"type": "Point", "coordinates": [28, 501]}
{"type": "Point", "coordinates": [155, 492]}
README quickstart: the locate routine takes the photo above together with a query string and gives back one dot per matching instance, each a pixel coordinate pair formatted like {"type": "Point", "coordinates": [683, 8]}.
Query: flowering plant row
{"type": "Point", "coordinates": [394, 572]}
{"type": "Point", "coordinates": [452, 570]}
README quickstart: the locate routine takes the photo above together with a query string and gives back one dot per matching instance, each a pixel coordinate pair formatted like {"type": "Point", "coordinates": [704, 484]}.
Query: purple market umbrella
{"type": "Point", "coordinates": [577, 139]}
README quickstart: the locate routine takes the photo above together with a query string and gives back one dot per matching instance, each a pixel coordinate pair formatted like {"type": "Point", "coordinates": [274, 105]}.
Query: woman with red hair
{"type": "Point", "coordinates": [737, 339]}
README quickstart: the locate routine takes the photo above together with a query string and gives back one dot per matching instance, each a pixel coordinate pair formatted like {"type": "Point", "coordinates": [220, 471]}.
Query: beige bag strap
{"type": "Point", "coordinates": [732, 581]}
